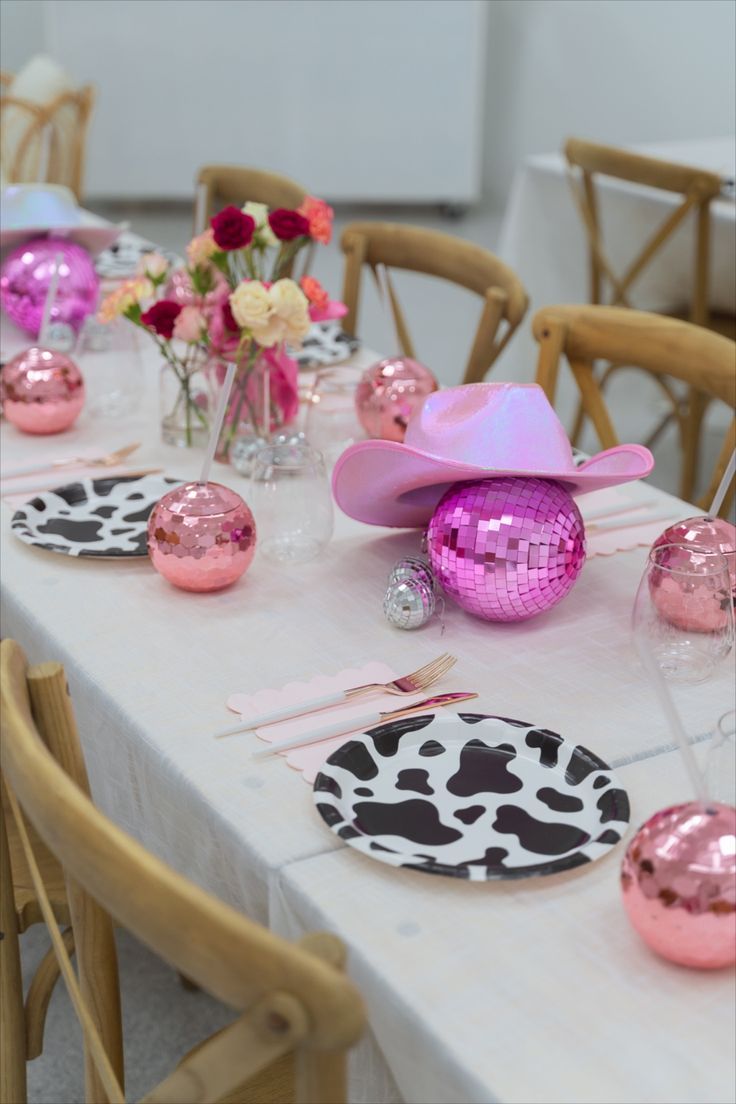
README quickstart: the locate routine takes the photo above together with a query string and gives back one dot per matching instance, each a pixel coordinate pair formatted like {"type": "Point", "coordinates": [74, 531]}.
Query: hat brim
{"type": "Point", "coordinates": [392, 484]}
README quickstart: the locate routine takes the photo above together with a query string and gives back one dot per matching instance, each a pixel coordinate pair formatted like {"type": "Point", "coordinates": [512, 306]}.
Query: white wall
{"type": "Point", "coordinates": [21, 32]}
{"type": "Point", "coordinates": [616, 71]}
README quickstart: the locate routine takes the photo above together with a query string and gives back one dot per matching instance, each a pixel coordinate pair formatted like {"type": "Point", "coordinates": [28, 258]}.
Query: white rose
{"type": "Point", "coordinates": [259, 213]}
{"type": "Point", "coordinates": [251, 304]}
{"type": "Point", "coordinates": [291, 305]}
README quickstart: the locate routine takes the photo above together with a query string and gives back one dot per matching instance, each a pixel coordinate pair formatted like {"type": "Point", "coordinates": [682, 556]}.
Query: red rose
{"type": "Point", "coordinates": [232, 229]}
{"type": "Point", "coordinates": [229, 318]}
{"type": "Point", "coordinates": [288, 225]}
{"type": "Point", "coordinates": [162, 316]}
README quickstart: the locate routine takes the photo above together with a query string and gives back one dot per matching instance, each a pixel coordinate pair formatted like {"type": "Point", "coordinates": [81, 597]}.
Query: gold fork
{"type": "Point", "coordinates": [418, 680]}
{"type": "Point", "coordinates": [108, 461]}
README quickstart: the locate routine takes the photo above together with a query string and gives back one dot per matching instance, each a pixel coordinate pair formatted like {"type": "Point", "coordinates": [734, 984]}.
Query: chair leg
{"type": "Point", "coordinates": [12, 1021]}
{"type": "Point", "coordinates": [696, 408]}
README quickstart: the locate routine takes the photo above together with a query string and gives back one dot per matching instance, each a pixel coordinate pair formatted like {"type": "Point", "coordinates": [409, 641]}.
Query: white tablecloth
{"type": "Point", "coordinates": [502, 989]}
{"type": "Point", "coordinates": [543, 239]}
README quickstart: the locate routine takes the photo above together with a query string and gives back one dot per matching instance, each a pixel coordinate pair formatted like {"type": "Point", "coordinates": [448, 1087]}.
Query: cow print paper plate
{"type": "Point", "coordinates": [94, 517]}
{"type": "Point", "coordinates": [471, 796]}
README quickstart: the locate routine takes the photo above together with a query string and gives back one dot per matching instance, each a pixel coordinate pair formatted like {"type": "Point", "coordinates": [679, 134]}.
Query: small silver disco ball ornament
{"type": "Point", "coordinates": [288, 437]}
{"type": "Point", "coordinates": [411, 567]}
{"type": "Point", "coordinates": [244, 451]}
{"type": "Point", "coordinates": [409, 603]}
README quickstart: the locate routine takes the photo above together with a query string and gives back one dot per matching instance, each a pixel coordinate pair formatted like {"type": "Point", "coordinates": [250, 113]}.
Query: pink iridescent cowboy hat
{"type": "Point", "coordinates": [478, 431]}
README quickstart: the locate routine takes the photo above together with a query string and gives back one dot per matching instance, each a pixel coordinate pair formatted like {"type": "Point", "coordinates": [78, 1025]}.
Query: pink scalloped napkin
{"type": "Point", "coordinates": [309, 759]}
{"type": "Point", "coordinates": [623, 534]}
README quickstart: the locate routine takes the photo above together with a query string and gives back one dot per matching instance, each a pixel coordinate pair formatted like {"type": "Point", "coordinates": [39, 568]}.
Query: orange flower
{"type": "Point", "coordinates": [123, 297]}
{"type": "Point", "coordinates": [314, 292]}
{"type": "Point", "coordinates": [319, 215]}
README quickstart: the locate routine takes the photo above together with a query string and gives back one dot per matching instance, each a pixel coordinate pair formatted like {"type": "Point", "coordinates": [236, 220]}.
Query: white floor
{"type": "Point", "coordinates": [162, 1020]}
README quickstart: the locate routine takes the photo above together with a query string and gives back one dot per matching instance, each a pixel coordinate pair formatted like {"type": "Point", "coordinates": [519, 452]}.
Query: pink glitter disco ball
{"type": "Point", "coordinates": [388, 394]}
{"type": "Point", "coordinates": [506, 549]}
{"type": "Point", "coordinates": [688, 588]}
{"type": "Point", "coordinates": [42, 391]}
{"type": "Point", "coordinates": [201, 536]}
{"type": "Point", "coordinates": [715, 534]}
{"type": "Point", "coordinates": [678, 881]}
{"type": "Point", "coordinates": [25, 277]}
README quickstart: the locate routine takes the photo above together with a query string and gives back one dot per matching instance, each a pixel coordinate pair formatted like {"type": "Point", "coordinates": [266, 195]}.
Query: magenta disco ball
{"type": "Point", "coordinates": [506, 549]}
{"type": "Point", "coordinates": [25, 276]}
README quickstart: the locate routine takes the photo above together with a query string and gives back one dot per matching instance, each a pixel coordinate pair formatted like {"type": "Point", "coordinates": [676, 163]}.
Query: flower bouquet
{"type": "Point", "coordinates": [235, 301]}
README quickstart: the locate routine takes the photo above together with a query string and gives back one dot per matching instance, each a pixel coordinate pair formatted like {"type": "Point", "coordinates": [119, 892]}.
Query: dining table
{"type": "Point", "coordinates": [543, 239]}
{"type": "Point", "coordinates": [503, 990]}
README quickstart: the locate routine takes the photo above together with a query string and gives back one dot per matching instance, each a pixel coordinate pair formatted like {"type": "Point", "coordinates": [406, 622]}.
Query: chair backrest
{"type": "Point", "coordinates": [663, 346]}
{"type": "Point", "coordinates": [288, 997]}
{"type": "Point", "coordinates": [587, 160]}
{"type": "Point", "coordinates": [381, 246]}
{"type": "Point", "coordinates": [220, 185]}
{"type": "Point", "coordinates": [46, 142]}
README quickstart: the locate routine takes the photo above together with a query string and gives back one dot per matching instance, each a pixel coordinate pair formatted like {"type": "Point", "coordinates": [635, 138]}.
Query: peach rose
{"type": "Point", "coordinates": [201, 248]}
{"type": "Point", "coordinates": [319, 215]}
{"type": "Point", "coordinates": [124, 297]}
{"type": "Point", "coordinates": [190, 324]}
{"type": "Point", "coordinates": [152, 265]}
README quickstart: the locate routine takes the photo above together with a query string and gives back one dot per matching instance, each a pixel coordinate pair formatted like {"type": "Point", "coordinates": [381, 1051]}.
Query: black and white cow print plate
{"type": "Point", "coordinates": [104, 518]}
{"type": "Point", "coordinates": [471, 796]}
{"type": "Point", "coordinates": [325, 344]}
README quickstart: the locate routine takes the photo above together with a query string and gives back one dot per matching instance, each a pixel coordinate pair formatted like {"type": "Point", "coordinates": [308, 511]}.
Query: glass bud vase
{"type": "Point", "coordinates": [259, 406]}
{"type": "Point", "coordinates": [188, 396]}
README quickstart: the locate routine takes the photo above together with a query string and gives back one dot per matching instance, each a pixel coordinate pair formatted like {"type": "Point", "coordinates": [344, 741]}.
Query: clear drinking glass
{"type": "Point", "coordinates": [683, 611]}
{"type": "Point", "coordinates": [332, 421]}
{"type": "Point", "coordinates": [720, 764]}
{"type": "Point", "coordinates": [292, 502]}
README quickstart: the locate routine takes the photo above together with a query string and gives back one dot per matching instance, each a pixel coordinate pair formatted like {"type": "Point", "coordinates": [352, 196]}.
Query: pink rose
{"type": "Point", "coordinates": [190, 324]}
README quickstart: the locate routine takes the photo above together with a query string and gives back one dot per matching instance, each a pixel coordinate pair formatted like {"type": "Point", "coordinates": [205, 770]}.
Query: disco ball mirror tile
{"type": "Point", "coordinates": [506, 549]}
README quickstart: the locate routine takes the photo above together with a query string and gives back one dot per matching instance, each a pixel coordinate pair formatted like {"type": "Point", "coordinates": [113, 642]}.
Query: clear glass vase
{"type": "Point", "coordinates": [188, 397]}
{"type": "Point", "coordinates": [260, 406]}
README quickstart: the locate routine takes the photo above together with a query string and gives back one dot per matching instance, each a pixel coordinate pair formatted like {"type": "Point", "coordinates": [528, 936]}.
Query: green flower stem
{"type": "Point", "coordinates": [242, 384]}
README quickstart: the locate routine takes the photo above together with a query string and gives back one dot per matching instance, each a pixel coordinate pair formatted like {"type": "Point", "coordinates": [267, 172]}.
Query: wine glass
{"type": "Point", "coordinates": [292, 502]}
{"type": "Point", "coordinates": [720, 764]}
{"type": "Point", "coordinates": [332, 420]}
{"type": "Point", "coordinates": [683, 613]}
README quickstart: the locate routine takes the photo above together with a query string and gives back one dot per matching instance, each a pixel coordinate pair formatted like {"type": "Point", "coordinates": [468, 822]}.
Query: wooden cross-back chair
{"type": "Point", "coordinates": [665, 347]}
{"type": "Point", "coordinates": [697, 188]}
{"type": "Point", "coordinates": [52, 138]}
{"type": "Point", "coordinates": [220, 185]}
{"type": "Point", "coordinates": [288, 999]}
{"type": "Point", "coordinates": [381, 246]}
